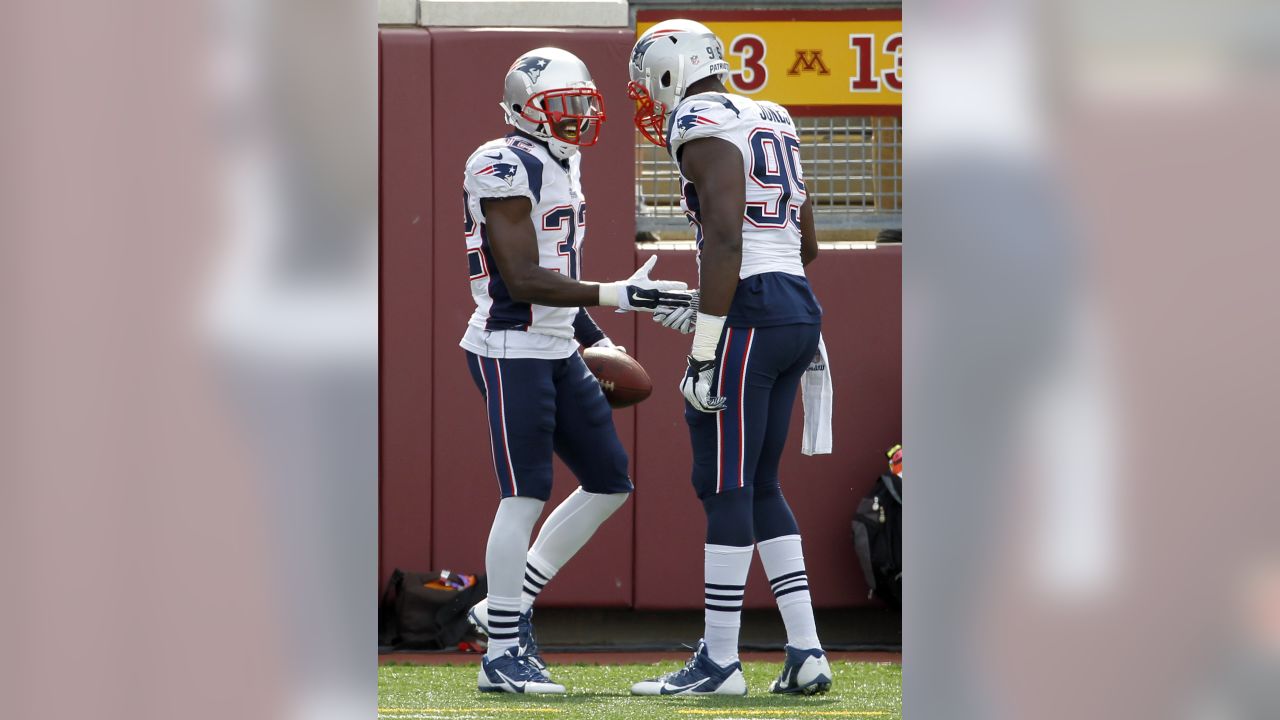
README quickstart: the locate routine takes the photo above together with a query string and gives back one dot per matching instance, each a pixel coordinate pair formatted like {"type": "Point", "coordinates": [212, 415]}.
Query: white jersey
{"type": "Point", "coordinates": [766, 136]}
{"type": "Point", "coordinates": [515, 166]}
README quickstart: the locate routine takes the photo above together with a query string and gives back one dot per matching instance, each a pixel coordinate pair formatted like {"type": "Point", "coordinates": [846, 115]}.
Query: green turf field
{"type": "Point", "coordinates": [595, 692]}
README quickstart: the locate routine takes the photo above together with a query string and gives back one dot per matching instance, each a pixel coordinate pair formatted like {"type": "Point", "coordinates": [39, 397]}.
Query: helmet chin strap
{"type": "Point", "coordinates": [513, 119]}
{"type": "Point", "coordinates": [558, 149]}
{"type": "Point", "coordinates": [679, 84]}
{"type": "Point", "coordinates": [561, 150]}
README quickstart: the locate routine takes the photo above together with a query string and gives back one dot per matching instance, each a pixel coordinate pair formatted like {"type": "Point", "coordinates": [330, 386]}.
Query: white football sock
{"type": "Point", "coordinates": [783, 561]}
{"type": "Point", "coordinates": [504, 561]}
{"type": "Point", "coordinates": [725, 569]}
{"type": "Point", "coordinates": [566, 530]}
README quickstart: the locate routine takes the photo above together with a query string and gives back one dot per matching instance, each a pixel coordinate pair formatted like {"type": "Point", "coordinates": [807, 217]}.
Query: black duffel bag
{"type": "Point", "coordinates": [427, 611]}
{"type": "Point", "coordinates": [877, 539]}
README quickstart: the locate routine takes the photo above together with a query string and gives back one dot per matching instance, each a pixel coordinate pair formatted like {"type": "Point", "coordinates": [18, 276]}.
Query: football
{"type": "Point", "coordinates": [621, 378]}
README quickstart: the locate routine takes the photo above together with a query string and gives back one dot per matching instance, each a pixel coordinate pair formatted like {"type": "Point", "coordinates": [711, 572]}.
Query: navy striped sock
{"type": "Point", "coordinates": [783, 560]}
{"type": "Point", "coordinates": [791, 582]}
{"type": "Point", "coordinates": [534, 582]}
{"type": "Point", "coordinates": [504, 625]}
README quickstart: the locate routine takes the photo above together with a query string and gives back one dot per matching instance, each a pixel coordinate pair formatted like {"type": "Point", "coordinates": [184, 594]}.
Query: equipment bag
{"type": "Point", "coordinates": [877, 538]}
{"type": "Point", "coordinates": [427, 611]}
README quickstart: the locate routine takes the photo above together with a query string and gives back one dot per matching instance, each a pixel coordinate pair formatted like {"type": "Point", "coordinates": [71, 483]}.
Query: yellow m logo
{"type": "Point", "coordinates": [810, 60]}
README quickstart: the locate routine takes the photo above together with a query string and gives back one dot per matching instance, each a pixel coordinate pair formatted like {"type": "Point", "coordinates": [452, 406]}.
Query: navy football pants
{"type": "Point", "coordinates": [736, 452]}
{"type": "Point", "coordinates": [537, 407]}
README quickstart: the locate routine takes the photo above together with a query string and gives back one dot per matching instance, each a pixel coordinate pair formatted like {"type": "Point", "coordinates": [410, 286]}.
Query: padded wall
{"type": "Point", "coordinates": [407, 204]}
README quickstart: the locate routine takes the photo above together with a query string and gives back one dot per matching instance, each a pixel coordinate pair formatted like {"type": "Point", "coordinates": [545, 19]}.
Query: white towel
{"type": "Point", "coordinates": [815, 389]}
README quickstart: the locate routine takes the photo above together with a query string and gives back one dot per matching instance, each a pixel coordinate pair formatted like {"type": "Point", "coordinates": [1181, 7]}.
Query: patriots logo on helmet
{"type": "Point", "coordinates": [533, 67]}
{"type": "Point", "coordinates": [641, 47]}
{"type": "Point", "coordinates": [687, 121]}
{"type": "Point", "coordinates": [504, 171]}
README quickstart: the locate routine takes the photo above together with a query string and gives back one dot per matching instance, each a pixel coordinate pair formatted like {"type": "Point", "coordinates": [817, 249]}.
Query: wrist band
{"type": "Point", "coordinates": [609, 294]}
{"type": "Point", "coordinates": [707, 336]}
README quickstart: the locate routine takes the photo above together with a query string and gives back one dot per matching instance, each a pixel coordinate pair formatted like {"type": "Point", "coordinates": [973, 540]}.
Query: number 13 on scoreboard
{"type": "Point", "coordinates": [865, 78]}
{"type": "Point", "coordinates": [875, 61]}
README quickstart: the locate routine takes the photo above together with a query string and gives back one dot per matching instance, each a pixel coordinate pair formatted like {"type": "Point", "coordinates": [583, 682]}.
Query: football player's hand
{"type": "Point", "coordinates": [631, 297]}
{"type": "Point", "coordinates": [696, 385]}
{"type": "Point", "coordinates": [607, 343]}
{"type": "Point", "coordinates": [640, 292]}
{"type": "Point", "coordinates": [704, 362]}
{"type": "Point", "coordinates": [682, 319]}
{"type": "Point", "coordinates": [640, 278]}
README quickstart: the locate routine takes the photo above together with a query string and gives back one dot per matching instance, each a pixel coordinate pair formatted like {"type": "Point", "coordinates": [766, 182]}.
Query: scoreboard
{"type": "Point", "coordinates": [815, 62]}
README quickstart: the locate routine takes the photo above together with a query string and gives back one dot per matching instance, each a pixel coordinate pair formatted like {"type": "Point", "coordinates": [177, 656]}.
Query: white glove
{"type": "Point", "coordinates": [703, 366]}
{"type": "Point", "coordinates": [605, 342]}
{"type": "Point", "coordinates": [696, 385]}
{"type": "Point", "coordinates": [638, 292]}
{"type": "Point", "coordinates": [682, 319]}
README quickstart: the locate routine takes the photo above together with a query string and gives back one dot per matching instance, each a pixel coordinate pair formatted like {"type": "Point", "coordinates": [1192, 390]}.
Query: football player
{"type": "Point", "coordinates": [755, 331]}
{"type": "Point", "coordinates": [525, 222]}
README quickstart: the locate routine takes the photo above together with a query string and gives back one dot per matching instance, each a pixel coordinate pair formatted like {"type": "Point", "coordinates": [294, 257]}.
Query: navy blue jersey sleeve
{"type": "Point", "coordinates": [585, 330]}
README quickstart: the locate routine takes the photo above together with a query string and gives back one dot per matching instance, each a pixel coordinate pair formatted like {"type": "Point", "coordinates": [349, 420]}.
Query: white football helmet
{"type": "Point", "coordinates": [548, 93]}
{"type": "Point", "coordinates": [665, 61]}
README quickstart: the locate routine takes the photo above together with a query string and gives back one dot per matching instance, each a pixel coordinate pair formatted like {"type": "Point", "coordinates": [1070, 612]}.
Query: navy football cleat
{"type": "Point", "coordinates": [513, 673]}
{"type": "Point", "coordinates": [529, 642]}
{"type": "Point", "coordinates": [478, 616]}
{"type": "Point", "coordinates": [700, 676]}
{"type": "Point", "coordinates": [806, 672]}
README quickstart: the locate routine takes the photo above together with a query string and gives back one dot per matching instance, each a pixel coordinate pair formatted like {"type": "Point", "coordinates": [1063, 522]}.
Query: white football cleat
{"type": "Point", "coordinates": [806, 672]}
{"type": "Point", "coordinates": [478, 616]}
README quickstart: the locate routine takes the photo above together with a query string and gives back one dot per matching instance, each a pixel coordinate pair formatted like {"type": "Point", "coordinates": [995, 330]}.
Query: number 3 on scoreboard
{"type": "Point", "coordinates": [754, 74]}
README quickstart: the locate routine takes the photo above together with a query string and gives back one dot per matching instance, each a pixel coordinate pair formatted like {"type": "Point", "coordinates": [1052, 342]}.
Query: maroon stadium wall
{"type": "Point", "coordinates": [439, 91]}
